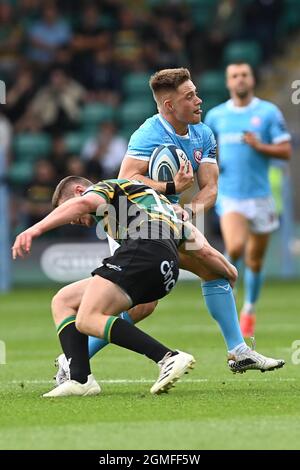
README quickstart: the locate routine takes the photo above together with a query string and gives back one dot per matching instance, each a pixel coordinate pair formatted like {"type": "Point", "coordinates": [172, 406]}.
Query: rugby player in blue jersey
{"type": "Point", "coordinates": [178, 122]}
{"type": "Point", "coordinates": [250, 132]}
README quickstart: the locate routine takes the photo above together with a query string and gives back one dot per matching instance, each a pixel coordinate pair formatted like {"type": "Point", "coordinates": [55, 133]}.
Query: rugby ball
{"type": "Point", "coordinates": [165, 162]}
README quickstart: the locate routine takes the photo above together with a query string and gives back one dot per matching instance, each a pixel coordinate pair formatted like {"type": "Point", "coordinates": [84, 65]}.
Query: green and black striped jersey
{"type": "Point", "coordinates": [134, 210]}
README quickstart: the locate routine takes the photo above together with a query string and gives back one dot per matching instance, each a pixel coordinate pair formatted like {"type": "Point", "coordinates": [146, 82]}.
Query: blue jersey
{"type": "Point", "coordinates": [243, 170]}
{"type": "Point", "coordinates": [199, 143]}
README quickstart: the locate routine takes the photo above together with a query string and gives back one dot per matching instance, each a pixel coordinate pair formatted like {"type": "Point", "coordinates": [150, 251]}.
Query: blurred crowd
{"type": "Point", "coordinates": [59, 58]}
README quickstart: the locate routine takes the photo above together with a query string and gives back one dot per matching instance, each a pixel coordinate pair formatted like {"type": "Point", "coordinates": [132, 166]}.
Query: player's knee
{"type": "Point", "coordinates": [81, 324]}
{"type": "Point", "coordinates": [255, 264]}
{"type": "Point", "coordinates": [235, 252]}
{"type": "Point", "coordinates": [58, 305]}
{"type": "Point", "coordinates": [142, 311]}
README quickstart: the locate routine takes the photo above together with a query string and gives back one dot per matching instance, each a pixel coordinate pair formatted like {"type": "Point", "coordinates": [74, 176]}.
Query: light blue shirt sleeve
{"type": "Point", "coordinates": [146, 138]}
{"type": "Point", "coordinates": [141, 145]}
{"type": "Point", "coordinates": [278, 128]}
{"type": "Point", "coordinates": [209, 147]}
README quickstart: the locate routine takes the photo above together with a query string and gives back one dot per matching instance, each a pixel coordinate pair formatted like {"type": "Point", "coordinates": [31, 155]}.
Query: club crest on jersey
{"type": "Point", "coordinates": [256, 121]}
{"type": "Point", "coordinates": [197, 155]}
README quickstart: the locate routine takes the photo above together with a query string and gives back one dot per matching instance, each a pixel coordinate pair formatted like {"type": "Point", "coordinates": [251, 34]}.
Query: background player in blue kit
{"type": "Point", "coordinates": [250, 132]}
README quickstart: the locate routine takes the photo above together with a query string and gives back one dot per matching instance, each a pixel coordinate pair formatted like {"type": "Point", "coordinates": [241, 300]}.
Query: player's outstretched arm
{"type": "Point", "coordinates": [67, 212]}
{"type": "Point", "coordinates": [199, 248]}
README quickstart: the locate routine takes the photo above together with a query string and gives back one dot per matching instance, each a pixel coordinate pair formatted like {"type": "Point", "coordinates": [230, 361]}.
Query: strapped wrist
{"type": "Point", "coordinates": [170, 188]}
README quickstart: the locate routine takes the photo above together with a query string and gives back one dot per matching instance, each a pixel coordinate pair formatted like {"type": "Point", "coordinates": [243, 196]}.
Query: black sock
{"type": "Point", "coordinates": [130, 337]}
{"type": "Point", "coordinates": [75, 346]}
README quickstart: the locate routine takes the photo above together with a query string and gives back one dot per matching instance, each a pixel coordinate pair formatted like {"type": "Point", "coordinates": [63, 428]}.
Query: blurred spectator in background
{"type": "Point", "coordinates": [59, 155]}
{"type": "Point", "coordinates": [261, 23]}
{"type": "Point", "coordinates": [64, 58]}
{"type": "Point", "coordinates": [226, 25]}
{"type": "Point", "coordinates": [165, 36]}
{"type": "Point", "coordinates": [20, 94]}
{"type": "Point", "coordinates": [128, 49]}
{"type": "Point", "coordinates": [171, 43]}
{"type": "Point", "coordinates": [75, 166]}
{"type": "Point", "coordinates": [47, 35]}
{"type": "Point", "coordinates": [102, 78]}
{"type": "Point", "coordinates": [11, 36]}
{"type": "Point", "coordinates": [90, 36]}
{"type": "Point", "coordinates": [29, 12]}
{"type": "Point", "coordinates": [38, 193]}
{"type": "Point", "coordinates": [104, 152]}
{"type": "Point", "coordinates": [57, 105]}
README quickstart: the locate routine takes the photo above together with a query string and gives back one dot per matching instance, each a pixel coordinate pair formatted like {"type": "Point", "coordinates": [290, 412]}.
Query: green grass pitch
{"type": "Point", "coordinates": [209, 409]}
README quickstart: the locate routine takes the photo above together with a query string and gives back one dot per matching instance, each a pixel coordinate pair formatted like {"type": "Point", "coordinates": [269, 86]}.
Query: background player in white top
{"type": "Point", "coordinates": [250, 132]}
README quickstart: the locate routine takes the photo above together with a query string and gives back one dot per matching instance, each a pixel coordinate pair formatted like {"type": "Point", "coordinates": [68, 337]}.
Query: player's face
{"type": "Point", "coordinates": [86, 220]}
{"type": "Point", "coordinates": [186, 104]}
{"type": "Point", "coordinates": [240, 80]}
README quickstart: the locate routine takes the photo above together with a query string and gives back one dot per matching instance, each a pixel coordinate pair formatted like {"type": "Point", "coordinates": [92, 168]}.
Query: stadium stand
{"type": "Point", "coordinates": [102, 55]}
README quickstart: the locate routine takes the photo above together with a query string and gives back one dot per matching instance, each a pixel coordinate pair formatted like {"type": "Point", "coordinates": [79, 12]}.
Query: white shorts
{"type": "Point", "coordinates": [260, 212]}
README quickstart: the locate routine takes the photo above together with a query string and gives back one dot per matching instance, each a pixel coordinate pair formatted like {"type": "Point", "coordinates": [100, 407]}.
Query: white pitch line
{"type": "Point", "coordinates": [146, 381]}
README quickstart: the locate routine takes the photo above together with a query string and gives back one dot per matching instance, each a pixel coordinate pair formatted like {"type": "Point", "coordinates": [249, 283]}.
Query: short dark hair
{"type": "Point", "coordinates": [168, 79]}
{"type": "Point", "coordinates": [64, 188]}
{"type": "Point", "coordinates": [240, 62]}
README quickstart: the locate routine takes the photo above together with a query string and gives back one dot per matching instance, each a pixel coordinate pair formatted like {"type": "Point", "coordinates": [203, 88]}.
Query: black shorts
{"type": "Point", "coordinates": [146, 270]}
